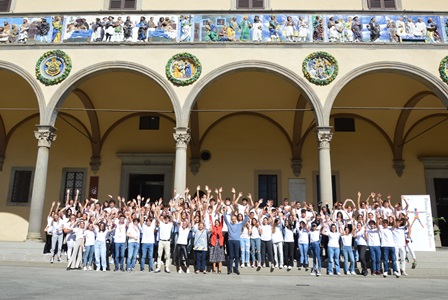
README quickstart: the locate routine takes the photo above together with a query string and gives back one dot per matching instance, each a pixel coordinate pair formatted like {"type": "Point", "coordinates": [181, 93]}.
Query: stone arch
{"type": "Point", "coordinates": [270, 120]}
{"type": "Point", "coordinates": [31, 81]}
{"type": "Point", "coordinates": [251, 65]}
{"type": "Point", "coordinates": [71, 83]}
{"type": "Point", "coordinates": [437, 86]}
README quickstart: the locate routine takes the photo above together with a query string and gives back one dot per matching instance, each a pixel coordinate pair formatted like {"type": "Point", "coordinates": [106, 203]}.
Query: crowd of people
{"type": "Point", "coordinates": [236, 231]}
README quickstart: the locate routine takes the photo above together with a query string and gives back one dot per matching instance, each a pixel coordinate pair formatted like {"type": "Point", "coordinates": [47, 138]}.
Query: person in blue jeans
{"type": "Point", "coordinates": [304, 242]}
{"type": "Point", "coordinates": [200, 247]}
{"type": "Point", "coordinates": [234, 230]}
{"type": "Point", "coordinates": [347, 251]}
{"type": "Point", "coordinates": [147, 228]}
{"type": "Point", "coordinates": [133, 235]}
{"type": "Point", "coordinates": [373, 240]}
{"type": "Point", "coordinates": [120, 243]}
{"type": "Point", "coordinates": [333, 249]}
{"type": "Point", "coordinates": [255, 243]}
{"type": "Point", "coordinates": [315, 249]}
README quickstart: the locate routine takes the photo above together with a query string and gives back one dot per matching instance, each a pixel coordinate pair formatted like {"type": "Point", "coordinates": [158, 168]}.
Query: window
{"type": "Point", "coordinates": [122, 4]}
{"type": "Point", "coordinates": [267, 187]}
{"type": "Point", "coordinates": [73, 179]}
{"type": "Point", "coordinates": [382, 4]}
{"type": "Point", "coordinates": [250, 4]}
{"type": "Point", "coordinates": [149, 123]}
{"type": "Point", "coordinates": [4, 5]}
{"type": "Point", "coordinates": [20, 186]}
{"type": "Point", "coordinates": [344, 125]}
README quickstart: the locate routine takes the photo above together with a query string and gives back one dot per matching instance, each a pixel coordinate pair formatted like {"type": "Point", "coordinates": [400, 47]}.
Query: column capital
{"type": "Point", "coordinates": [324, 136]}
{"type": "Point", "coordinates": [182, 136]}
{"type": "Point", "coordinates": [45, 135]}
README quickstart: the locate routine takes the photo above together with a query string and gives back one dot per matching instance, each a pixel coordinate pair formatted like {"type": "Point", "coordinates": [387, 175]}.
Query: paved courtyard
{"type": "Point", "coordinates": [41, 281]}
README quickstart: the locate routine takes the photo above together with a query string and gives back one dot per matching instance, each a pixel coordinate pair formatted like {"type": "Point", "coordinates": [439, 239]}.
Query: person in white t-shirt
{"type": "Point", "coordinates": [347, 251]}
{"type": "Point", "coordinates": [374, 241]}
{"type": "Point", "coordinates": [147, 227]}
{"type": "Point", "coordinates": [399, 233]}
{"type": "Point", "coordinates": [333, 248]}
{"type": "Point", "coordinates": [288, 243]}
{"type": "Point", "coordinates": [89, 247]}
{"type": "Point", "coordinates": [165, 227]}
{"type": "Point", "coordinates": [57, 236]}
{"type": "Point", "coordinates": [315, 239]}
{"type": "Point", "coordinates": [133, 235]}
{"type": "Point", "coordinates": [388, 246]}
{"type": "Point", "coordinates": [266, 239]}
{"type": "Point", "coordinates": [76, 257]}
{"type": "Point", "coordinates": [277, 242]}
{"type": "Point", "coordinates": [361, 245]}
{"type": "Point", "coordinates": [181, 246]}
{"type": "Point", "coordinates": [304, 240]}
{"type": "Point", "coordinates": [120, 243]}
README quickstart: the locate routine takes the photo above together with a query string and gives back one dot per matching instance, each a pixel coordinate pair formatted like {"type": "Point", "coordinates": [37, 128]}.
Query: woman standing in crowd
{"type": "Point", "coordinates": [100, 246]}
{"type": "Point", "coordinates": [245, 243]}
{"type": "Point", "coordinates": [200, 248]}
{"type": "Point", "coordinates": [255, 243]}
{"type": "Point", "coordinates": [361, 244]}
{"type": "Point", "coordinates": [347, 251]}
{"type": "Point", "coordinates": [288, 244]}
{"type": "Point", "coordinates": [333, 249]}
{"type": "Point", "coordinates": [147, 228]}
{"type": "Point", "coordinates": [89, 247]}
{"type": "Point", "coordinates": [76, 258]}
{"type": "Point", "coordinates": [133, 234]}
{"type": "Point", "coordinates": [266, 239]}
{"type": "Point", "coordinates": [304, 240]}
{"type": "Point", "coordinates": [315, 238]}
{"type": "Point", "coordinates": [277, 242]}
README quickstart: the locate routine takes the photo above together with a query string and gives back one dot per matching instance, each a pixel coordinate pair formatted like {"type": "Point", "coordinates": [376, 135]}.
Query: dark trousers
{"type": "Point", "coordinates": [234, 253]}
{"type": "Point", "coordinates": [200, 260]}
{"type": "Point", "coordinates": [181, 255]}
{"type": "Point", "coordinates": [47, 247]}
{"type": "Point", "coordinates": [288, 250]}
{"type": "Point", "coordinates": [362, 257]}
{"type": "Point", "coordinates": [266, 248]}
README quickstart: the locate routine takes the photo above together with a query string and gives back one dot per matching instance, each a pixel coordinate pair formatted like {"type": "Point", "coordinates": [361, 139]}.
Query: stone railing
{"type": "Point", "coordinates": [224, 28]}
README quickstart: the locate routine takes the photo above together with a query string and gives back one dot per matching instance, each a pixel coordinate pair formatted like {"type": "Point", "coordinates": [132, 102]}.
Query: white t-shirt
{"type": "Point", "coordinates": [255, 233]}
{"type": "Point", "coordinates": [314, 235]}
{"type": "Point", "coordinates": [120, 233]}
{"type": "Point", "coordinates": [79, 233]}
{"type": "Point", "coordinates": [386, 212]}
{"type": "Point", "coordinates": [90, 238]}
{"type": "Point", "coordinates": [148, 232]}
{"type": "Point", "coordinates": [244, 233]}
{"type": "Point", "coordinates": [266, 235]}
{"type": "Point", "coordinates": [303, 236]}
{"type": "Point", "coordinates": [289, 235]}
{"type": "Point", "coordinates": [347, 240]}
{"type": "Point", "coordinates": [101, 235]}
{"type": "Point", "coordinates": [182, 238]}
{"type": "Point", "coordinates": [134, 233]}
{"type": "Point", "coordinates": [387, 238]}
{"type": "Point", "coordinates": [165, 231]}
{"type": "Point", "coordinates": [333, 239]}
{"type": "Point", "coordinates": [373, 237]}
{"type": "Point", "coordinates": [57, 227]}
{"type": "Point", "coordinates": [277, 236]}
{"type": "Point", "coordinates": [361, 238]}
{"type": "Point", "coordinates": [399, 236]}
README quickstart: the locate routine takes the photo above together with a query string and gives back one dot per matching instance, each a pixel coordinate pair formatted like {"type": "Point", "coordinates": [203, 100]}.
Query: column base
{"type": "Point", "coordinates": [34, 236]}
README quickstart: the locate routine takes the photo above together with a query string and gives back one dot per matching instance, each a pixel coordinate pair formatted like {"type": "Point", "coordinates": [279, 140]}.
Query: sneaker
{"type": "Point", "coordinates": [404, 273]}
{"type": "Point", "coordinates": [98, 269]}
{"type": "Point", "coordinates": [59, 260]}
{"type": "Point", "coordinates": [353, 273]}
{"type": "Point", "coordinates": [180, 271]}
{"type": "Point", "coordinates": [289, 268]}
{"type": "Point", "coordinates": [272, 268]}
{"type": "Point", "coordinates": [104, 270]}
{"type": "Point", "coordinates": [253, 265]}
{"type": "Point", "coordinates": [242, 266]}
{"type": "Point", "coordinates": [339, 274]}
{"type": "Point", "coordinates": [167, 270]}
{"type": "Point", "coordinates": [280, 267]}
{"type": "Point", "coordinates": [313, 273]}
{"type": "Point", "coordinates": [90, 268]}
{"type": "Point", "coordinates": [318, 273]}
{"type": "Point", "coordinates": [188, 270]}
{"type": "Point", "coordinates": [306, 269]}
{"type": "Point", "coordinates": [330, 274]}
{"type": "Point", "coordinates": [385, 274]}
{"type": "Point", "coordinates": [284, 266]}
{"type": "Point", "coordinates": [51, 260]}
{"type": "Point", "coordinates": [85, 268]}
{"type": "Point", "coordinates": [414, 264]}
{"type": "Point", "coordinates": [157, 270]}
{"type": "Point", "coordinates": [397, 274]}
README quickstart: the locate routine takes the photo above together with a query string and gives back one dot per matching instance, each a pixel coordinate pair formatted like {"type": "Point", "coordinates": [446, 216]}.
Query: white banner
{"type": "Point", "coordinates": [420, 220]}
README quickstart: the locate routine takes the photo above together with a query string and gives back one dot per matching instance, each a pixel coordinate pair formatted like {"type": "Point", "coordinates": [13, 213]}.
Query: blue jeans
{"type": "Point", "coordinates": [119, 255]}
{"type": "Point", "coordinates": [200, 260]}
{"type": "Point", "coordinates": [87, 258]}
{"type": "Point", "coordinates": [303, 254]}
{"type": "Point", "coordinates": [234, 254]}
{"type": "Point", "coordinates": [389, 253]}
{"type": "Point", "coordinates": [100, 253]}
{"type": "Point", "coordinates": [347, 251]}
{"type": "Point", "coordinates": [245, 250]}
{"type": "Point", "coordinates": [375, 255]}
{"type": "Point", "coordinates": [147, 251]}
{"type": "Point", "coordinates": [333, 257]}
{"type": "Point", "coordinates": [315, 252]}
{"type": "Point", "coordinates": [255, 248]}
{"type": "Point", "coordinates": [132, 255]}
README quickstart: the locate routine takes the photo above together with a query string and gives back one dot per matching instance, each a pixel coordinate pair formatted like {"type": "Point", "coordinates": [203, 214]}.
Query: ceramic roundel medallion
{"type": "Point", "coordinates": [443, 69]}
{"type": "Point", "coordinates": [320, 68]}
{"type": "Point", "coordinates": [183, 69]}
{"type": "Point", "coordinates": [53, 67]}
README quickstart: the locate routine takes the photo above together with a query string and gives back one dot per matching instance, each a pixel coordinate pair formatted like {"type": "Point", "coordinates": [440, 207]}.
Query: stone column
{"type": "Point", "coordinates": [45, 135]}
{"type": "Point", "coordinates": [182, 138]}
{"type": "Point", "coordinates": [324, 136]}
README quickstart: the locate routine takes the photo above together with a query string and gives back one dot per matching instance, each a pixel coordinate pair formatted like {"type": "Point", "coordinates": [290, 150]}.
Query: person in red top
{"type": "Point", "coordinates": [217, 245]}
